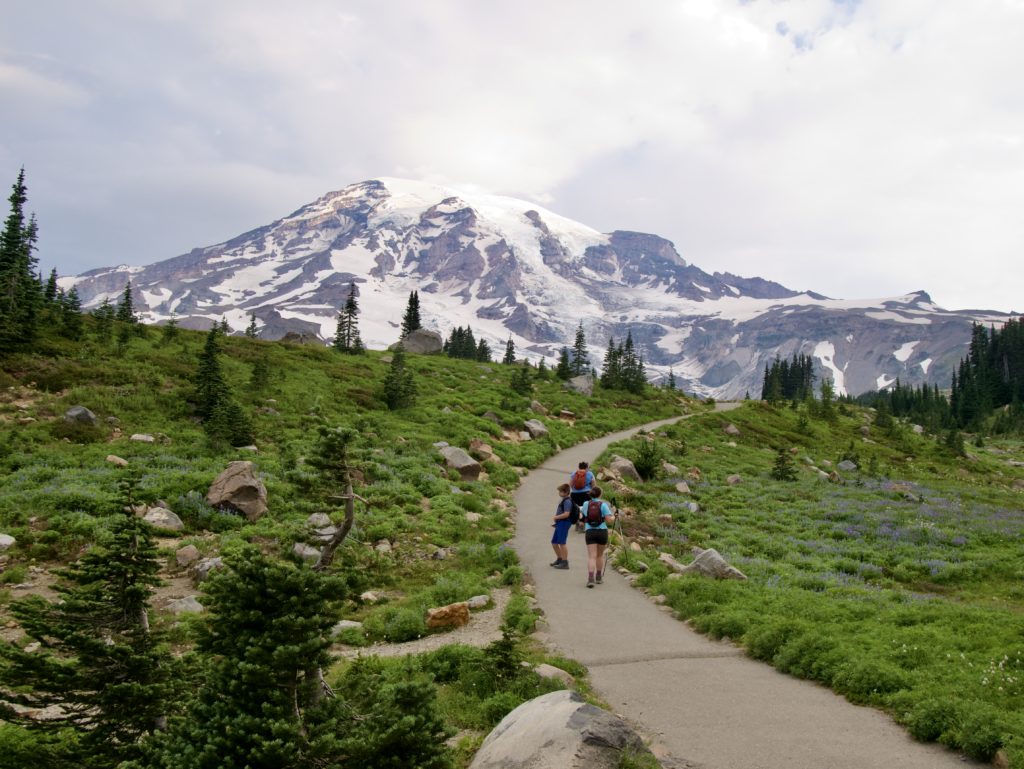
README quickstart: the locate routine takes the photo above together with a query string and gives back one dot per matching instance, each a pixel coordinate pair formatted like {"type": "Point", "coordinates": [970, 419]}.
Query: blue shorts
{"type": "Point", "coordinates": [561, 535]}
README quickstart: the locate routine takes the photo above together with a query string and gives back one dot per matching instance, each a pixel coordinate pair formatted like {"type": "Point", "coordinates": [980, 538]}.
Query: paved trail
{"type": "Point", "coordinates": [703, 700]}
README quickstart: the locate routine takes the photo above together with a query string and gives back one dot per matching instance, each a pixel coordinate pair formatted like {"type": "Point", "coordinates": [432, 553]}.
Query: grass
{"type": "Point", "coordinates": [899, 588]}
{"type": "Point", "coordinates": [58, 491]}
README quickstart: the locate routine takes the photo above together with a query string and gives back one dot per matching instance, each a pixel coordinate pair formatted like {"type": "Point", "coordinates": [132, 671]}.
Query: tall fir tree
{"type": "Point", "coordinates": [580, 361]}
{"type": "Point", "coordinates": [104, 316]}
{"type": "Point", "coordinates": [399, 382]}
{"type": "Point", "coordinates": [20, 292]}
{"type": "Point", "coordinates": [50, 292]}
{"type": "Point", "coordinates": [252, 331]}
{"type": "Point", "coordinates": [71, 315]}
{"type": "Point", "coordinates": [563, 369]}
{"type": "Point", "coordinates": [510, 353]}
{"type": "Point", "coordinates": [346, 337]}
{"type": "Point", "coordinates": [411, 320]}
{"type": "Point", "coordinates": [99, 661]}
{"type": "Point", "coordinates": [125, 312]}
{"type": "Point", "coordinates": [483, 351]}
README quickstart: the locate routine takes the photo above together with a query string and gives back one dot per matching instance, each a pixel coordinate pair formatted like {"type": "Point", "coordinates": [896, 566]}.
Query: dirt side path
{"type": "Point", "coordinates": [702, 701]}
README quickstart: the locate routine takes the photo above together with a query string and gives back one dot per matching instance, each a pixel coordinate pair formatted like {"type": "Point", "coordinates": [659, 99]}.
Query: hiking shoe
{"type": "Point", "coordinates": [555, 562]}
{"type": "Point", "coordinates": [562, 565]}
{"type": "Point", "coordinates": [590, 583]}
{"type": "Point", "coordinates": [599, 576]}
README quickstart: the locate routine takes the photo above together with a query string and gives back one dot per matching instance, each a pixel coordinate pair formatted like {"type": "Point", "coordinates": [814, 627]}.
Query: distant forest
{"type": "Point", "coordinates": [985, 395]}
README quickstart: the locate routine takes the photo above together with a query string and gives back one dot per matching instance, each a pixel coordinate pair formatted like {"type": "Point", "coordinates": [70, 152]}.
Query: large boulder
{"type": "Point", "coordinates": [421, 341]}
{"type": "Point", "coordinates": [535, 428]}
{"type": "Point", "coordinates": [708, 563]}
{"type": "Point", "coordinates": [583, 384]}
{"type": "Point", "coordinates": [457, 459]}
{"type": "Point", "coordinates": [452, 615]}
{"type": "Point", "coordinates": [6, 542]}
{"type": "Point", "coordinates": [558, 730]}
{"type": "Point", "coordinates": [239, 488]}
{"type": "Point", "coordinates": [162, 518]}
{"type": "Point", "coordinates": [623, 468]}
{"type": "Point", "coordinates": [80, 414]}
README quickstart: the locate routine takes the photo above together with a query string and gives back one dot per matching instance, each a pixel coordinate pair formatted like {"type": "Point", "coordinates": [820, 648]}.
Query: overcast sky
{"type": "Point", "coordinates": [859, 149]}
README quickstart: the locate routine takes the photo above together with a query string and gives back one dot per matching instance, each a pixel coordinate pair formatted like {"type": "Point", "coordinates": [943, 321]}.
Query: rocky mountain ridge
{"type": "Point", "coordinates": [506, 267]}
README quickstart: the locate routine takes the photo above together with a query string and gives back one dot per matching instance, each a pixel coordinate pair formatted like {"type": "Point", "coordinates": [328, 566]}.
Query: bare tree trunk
{"type": "Point", "coordinates": [327, 554]}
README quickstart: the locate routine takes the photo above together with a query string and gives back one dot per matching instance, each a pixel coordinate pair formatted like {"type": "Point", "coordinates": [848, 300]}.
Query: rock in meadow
{"type": "Point", "coordinates": [558, 730]}
{"type": "Point", "coordinates": [117, 461]}
{"type": "Point", "coordinates": [460, 461]}
{"type": "Point", "coordinates": [187, 605]}
{"type": "Point", "coordinates": [142, 438]}
{"type": "Point", "coordinates": [80, 414]}
{"type": "Point", "coordinates": [623, 468]}
{"type": "Point", "coordinates": [452, 615]}
{"type": "Point", "coordinates": [535, 428]}
{"type": "Point", "coordinates": [239, 488]}
{"type": "Point", "coordinates": [6, 542]}
{"type": "Point", "coordinates": [162, 518]}
{"type": "Point", "coordinates": [186, 556]}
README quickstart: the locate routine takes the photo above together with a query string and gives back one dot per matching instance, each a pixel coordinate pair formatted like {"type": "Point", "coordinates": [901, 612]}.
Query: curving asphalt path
{"type": "Point", "coordinates": [700, 700]}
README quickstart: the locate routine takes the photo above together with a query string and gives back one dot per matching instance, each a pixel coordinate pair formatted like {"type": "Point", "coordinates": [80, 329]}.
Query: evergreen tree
{"type": "Point", "coordinates": [346, 338]}
{"type": "Point", "coordinates": [252, 330]}
{"type": "Point", "coordinates": [20, 292]}
{"type": "Point", "coordinates": [483, 351]}
{"type": "Point", "coordinates": [521, 381]}
{"type": "Point", "coordinates": [225, 329]}
{"type": "Point", "coordinates": [104, 315]}
{"type": "Point", "coordinates": [563, 370]}
{"type": "Point", "coordinates": [510, 353]}
{"type": "Point", "coordinates": [125, 312]}
{"type": "Point", "coordinates": [268, 625]}
{"type": "Point", "coordinates": [827, 405]}
{"type": "Point", "coordinates": [98, 659]}
{"type": "Point", "coordinates": [399, 383]}
{"type": "Point", "coordinates": [411, 319]}
{"type": "Point", "coordinates": [260, 377]}
{"type": "Point", "coordinates": [611, 373]}
{"type": "Point", "coordinates": [50, 292]}
{"type": "Point", "coordinates": [71, 315]}
{"type": "Point", "coordinates": [783, 469]}
{"type": "Point", "coordinates": [542, 370]}
{"type": "Point", "coordinates": [224, 420]}
{"type": "Point", "coordinates": [170, 330]}
{"type": "Point", "coordinates": [580, 361]}
{"type": "Point", "coordinates": [672, 381]}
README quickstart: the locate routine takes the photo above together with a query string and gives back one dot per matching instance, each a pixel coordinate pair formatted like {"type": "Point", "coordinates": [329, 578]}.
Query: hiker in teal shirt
{"type": "Point", "coordinates": [596, 514]}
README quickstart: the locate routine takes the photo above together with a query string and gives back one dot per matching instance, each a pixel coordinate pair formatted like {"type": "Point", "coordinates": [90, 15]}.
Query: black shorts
{"type": "Point", "coordinates": [580, 497]}
{"type": "Point", "coordinates": [597, 536]}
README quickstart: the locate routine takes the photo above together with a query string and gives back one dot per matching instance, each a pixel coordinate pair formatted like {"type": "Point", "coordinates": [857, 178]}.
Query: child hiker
{"type": "Point", "coordinates": [596, 514]}
{"type": "Point", "coordinates": [563, 522]}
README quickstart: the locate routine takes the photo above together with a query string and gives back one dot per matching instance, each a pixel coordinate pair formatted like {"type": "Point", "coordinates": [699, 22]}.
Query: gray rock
{"type": "Point", "coordinates": [422, 341]}
{"type": "Point", "coordinates": [545, 670]}
{"type": "Point", "coordinates": [305, 552]}
{"type": "Point", "coordinates": [239, 488]}
{"type": "Point", "coordinates": [692, 507]}
{"type": "Point", "coordinates": [538, 408]}
{"type": "Point", "coordinates": [203, 569]}
{"type": "Point", "coordinates": [345, 624]}
{"type": "Point", "coordinates": [187, 556]}
{"type": "Point", "coordinates": [683, 487]}
{"type": "Point", "coordinates": [731, 429]}
{"type": "Point", "coordinates": [142, 438]}
{"type": "Point", "coordinates": [6, 542]}
{"type": "Point", "coordinates": [558, 730]}
{"type": "Point", "coordinates": [490, 416]}
{"type": "Point", "coordinates": [733, 479]}
{"type": "Point", "coordinates": [847, 466]}
{"type": "Point", "coordinates": [525, 436]}
{"type": "Point", "coordinates": [473, 517]}
{"type": "Point", "coordinates": [80, 414]}
{"type": "Point", "coordinates": [536, 428]}
{"type": "Point", "coordinates": [479, 601]}
{"type": "Point", "coordinates": [116, 460]}
{"type": "Point", "coordinates": [623, 468]}
{"type": "Point", "coordinates": [708, 563]}
{"type": "Point", "coordinates": [163, 518]}
{"type": "Point", "coordinates": [584, 385]}
{"type": "Point", "coordinates": [187, 605]}
{"type": "Point", "coordinates": [669, 469]}
{"type": "Point", "coordinates": [458, 459]}
{"type": "Point", "coordinates": [318, 520]}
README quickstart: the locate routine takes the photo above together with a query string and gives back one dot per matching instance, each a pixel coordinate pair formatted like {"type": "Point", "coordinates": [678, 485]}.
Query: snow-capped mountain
{"type": "Point", "coordinates": [506, 267]}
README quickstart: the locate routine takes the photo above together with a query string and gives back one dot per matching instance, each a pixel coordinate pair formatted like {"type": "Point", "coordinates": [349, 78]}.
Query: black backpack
{"type": "Point", "coordinates": [594, 516]}
{"type": "Point", "coordinates": [574, 513]}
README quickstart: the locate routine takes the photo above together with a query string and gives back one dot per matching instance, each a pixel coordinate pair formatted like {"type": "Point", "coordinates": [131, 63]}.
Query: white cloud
{"type": "Point", "coordinates": [853, 148]}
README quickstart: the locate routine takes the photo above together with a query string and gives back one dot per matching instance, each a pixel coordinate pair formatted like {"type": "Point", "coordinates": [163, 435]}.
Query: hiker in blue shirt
{"type": "Point", "coordinates": [580, 483]}
{"type": "Point", "coordinates": [564, 520]}
{"type": "Point", "coordinates": [596, 514]}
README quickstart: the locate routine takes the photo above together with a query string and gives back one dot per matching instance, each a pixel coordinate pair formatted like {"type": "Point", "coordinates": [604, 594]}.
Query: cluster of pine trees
{"type": "Point", "coordinates": [623, 367]}
{"type": "Point", "coordinates": [991, 379]}
{"type": "Point", "coordinates": [791, 380]}
{"type": "Point", "coordinates": [462, 344]}
{"type": "Point", "coordinates": [21, 291]}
